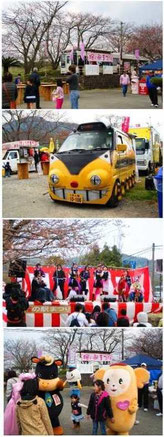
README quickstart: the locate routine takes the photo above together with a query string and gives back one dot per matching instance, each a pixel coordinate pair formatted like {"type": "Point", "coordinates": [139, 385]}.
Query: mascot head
{"type": "Point", "coordinates": [121, 380]}
{"type": "Point", "coordinates": [47, 373]}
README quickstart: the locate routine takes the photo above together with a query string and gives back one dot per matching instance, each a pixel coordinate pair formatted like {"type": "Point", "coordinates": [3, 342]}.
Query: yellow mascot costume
{"type": "Point", "coordinates": [121, 383]}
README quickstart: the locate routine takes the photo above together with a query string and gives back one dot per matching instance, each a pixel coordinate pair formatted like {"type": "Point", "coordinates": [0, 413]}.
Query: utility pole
{"type": "Point", "coordinates": [153, 266]}
{"type": "Point", "coordinates": [122, 344]}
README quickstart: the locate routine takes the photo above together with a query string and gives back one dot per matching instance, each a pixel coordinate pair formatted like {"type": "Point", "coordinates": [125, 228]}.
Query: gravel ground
{"type": "Point", "coordinates": [29, 198]}
{"type": "Point", "coordinates": [106, 99]}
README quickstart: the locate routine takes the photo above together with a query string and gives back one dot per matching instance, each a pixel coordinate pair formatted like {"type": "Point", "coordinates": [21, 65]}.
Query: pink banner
{"type": "Point", "coordinates": [82, 53]}
{"type": "Point", "coordinates": [125, 124]}
{"type": "Point", "coordinates": [95, 357]}
{"type": "Point", "coordinates": [137, 54]}
{"type": "Point", "coordinates": [99, 57]}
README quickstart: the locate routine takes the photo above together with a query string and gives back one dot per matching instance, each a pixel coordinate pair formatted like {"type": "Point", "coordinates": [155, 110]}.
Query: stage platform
{"type": "Point", "coordinates": [55, 314]}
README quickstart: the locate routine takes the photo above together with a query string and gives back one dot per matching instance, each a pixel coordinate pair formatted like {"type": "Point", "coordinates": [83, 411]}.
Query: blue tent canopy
{"type": "Point", "coordinates": [137, 360]}
{"type": "Point", "coordinates": [154, 366]}
{"type": "Point", "coordinates": [157, 65]}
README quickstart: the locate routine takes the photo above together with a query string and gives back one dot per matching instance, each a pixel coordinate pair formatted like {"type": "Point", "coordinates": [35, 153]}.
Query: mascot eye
{"type": "Point", "coordinates": [108, 381]}
{"type": "Point", "coordinates": [120, 381]}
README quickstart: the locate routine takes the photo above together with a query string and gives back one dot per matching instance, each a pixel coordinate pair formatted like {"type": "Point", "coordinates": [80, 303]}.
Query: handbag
{"type": "Point", "coordinates": [11, 102]}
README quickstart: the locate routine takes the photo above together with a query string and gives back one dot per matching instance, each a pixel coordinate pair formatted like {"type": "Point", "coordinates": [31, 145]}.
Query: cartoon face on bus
{"type": "Point", "coordinates": [94, 165]}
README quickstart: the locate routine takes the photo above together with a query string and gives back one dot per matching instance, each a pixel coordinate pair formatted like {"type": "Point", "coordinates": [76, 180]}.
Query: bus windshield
{"type": "Point", "coordinates": [140, 144]}
{"type": "Point", "coordinates": [88, 141]}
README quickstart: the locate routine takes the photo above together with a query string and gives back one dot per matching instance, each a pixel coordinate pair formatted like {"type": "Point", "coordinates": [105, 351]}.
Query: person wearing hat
{"type": "Point", "coordinates": [143, 393]}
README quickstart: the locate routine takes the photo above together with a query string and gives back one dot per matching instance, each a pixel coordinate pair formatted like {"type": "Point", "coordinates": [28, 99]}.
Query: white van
{"type": "Point", "coordinates": [19, 151]}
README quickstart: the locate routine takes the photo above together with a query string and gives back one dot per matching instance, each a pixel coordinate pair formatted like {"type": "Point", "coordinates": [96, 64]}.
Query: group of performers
{"type": "Point", "coordinates": [126, 289]}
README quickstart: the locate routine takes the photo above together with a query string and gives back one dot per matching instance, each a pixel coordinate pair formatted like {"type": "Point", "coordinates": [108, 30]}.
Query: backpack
{"type": "Point", "coordinates": [74, 322]}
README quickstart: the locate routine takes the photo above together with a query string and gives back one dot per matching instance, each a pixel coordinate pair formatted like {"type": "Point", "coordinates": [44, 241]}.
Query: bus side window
{"type": "Point", "coordinates": [119, 139]}
{"type": "Point", "coordinates": [109, 141]}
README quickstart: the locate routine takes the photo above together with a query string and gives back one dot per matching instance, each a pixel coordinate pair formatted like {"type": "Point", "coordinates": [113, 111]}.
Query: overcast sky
{"type": "Point", "coordinates": [139, 12]}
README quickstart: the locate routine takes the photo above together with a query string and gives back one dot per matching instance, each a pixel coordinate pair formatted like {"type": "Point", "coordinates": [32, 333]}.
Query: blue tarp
{"type": "Point", "coordinates": [137, 360]}
{"type": "Point", "coordinates": [154, 366]}
{"type": "Point", "coordinates": [157, 65]}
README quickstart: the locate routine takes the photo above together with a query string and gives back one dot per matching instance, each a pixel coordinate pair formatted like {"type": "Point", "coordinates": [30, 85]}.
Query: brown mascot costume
{"type": "Point", "coordinates": [50, 386]}
{"type": "Point", "coordinates": [122, 383]}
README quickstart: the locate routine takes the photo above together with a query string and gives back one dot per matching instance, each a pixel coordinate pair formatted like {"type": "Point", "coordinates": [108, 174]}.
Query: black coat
{"type": "Point", "coordinates": [103, 409]}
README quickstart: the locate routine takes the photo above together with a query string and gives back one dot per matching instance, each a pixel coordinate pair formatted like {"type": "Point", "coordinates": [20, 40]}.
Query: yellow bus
{"type": "Point", "coordinates": [94, 165]}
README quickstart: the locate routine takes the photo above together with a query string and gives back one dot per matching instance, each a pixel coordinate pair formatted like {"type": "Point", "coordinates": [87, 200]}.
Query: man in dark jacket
{"type": "Point", "coordinates": [36, 80]}
{"type": "Point", "coordinates": [152, 90]}
{"type": "Point", "coordinates": [9, 91]}
{"type": "Point", "coordinates": [16, 305]}
{"type": "Point", "coordinates": [99, 407]}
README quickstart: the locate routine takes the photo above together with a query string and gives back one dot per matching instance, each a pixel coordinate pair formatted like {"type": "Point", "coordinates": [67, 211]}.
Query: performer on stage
{"type": "Point", "coordinates": [122, 289]}
{"type": "Point", "coordinates": [98, 274]}
{"type": "Point", "coordinates": [107, 282]}
{"type": "Point", "coordinates": [74, 275]}
{"type": "Point", "coordinates": [59, 279]}
{"type": "Point", "coordinates": [84, 276]}
{"type": "Point", "coordinates": [38, 268]}
{"type": "Point", "coordinates": [136, 291]}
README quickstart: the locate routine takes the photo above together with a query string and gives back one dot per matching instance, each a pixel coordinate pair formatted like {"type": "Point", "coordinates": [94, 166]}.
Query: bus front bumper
{"type": "Point", "coordinates": [81, 196]}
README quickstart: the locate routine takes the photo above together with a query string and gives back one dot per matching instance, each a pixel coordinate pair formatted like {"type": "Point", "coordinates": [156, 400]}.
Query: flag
{"type": "Point", "coordinates": [125, 124]}
{"type": "Point", "coordinates": [137, 54]}
{"type": "Point", "coordinates": [82, 52]}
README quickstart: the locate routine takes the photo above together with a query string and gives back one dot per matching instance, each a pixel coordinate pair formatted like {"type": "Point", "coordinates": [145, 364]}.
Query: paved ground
{"type": "Point", "coordinates": [149, 423]}
{"type": "Point", "coordinates": [106, 99]}
{"type": "Point", "coordinates": [29, 198]}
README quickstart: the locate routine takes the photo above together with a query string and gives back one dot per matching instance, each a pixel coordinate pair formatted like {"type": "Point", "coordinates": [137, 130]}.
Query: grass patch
{"type": "Point", "coordinates": [138, 192]}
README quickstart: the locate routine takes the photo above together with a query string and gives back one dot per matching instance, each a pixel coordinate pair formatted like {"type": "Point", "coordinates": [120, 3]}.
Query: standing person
{"type": "Point", "coordinates": [124, 82]}
{"type": "Point", "coordinates": [18, 79]}
{"type": "Point", "coordinates": [98, 274]}
{"type": "Point", "coordinates": [36, 159]}
{"type": "Point", "coordinates": [12, 379]}
{"type": "Point", "coordinates": [123, 320]}
{"type": "Point", "coordinates": [31, 411]}
{"type": "Point", "coordinates": [30, 94]}
{"type": "Point", "coordinates": [160, 395]}
{"type": "Point", "coordinates": [74, 274]}
{"type": "Point", "coordinates": [111, 313]}
{"type": "Point", "coordinates": [16, 305]}
{"type": "Point", "coordinates": [8, 170]}
{"type": "Point", "coordinates": [58, 94]}
{"type": "Point", "coordinates": [72, 80]}
{"type": "Point", "coordinates": [59, 279]}
{"type": "Point", "coordinates": [36, 80]}
{"type": "Point", "coordinates": [143, 393]}
{"type": "Point", "coordinates": [152, 90]}
{"type": "Point", "coordinates": [99, 407]}
{"type": "Point", "coordinates": [76, 415]}
{"type": "Point", "coordinates": [77, 318]}
{"type": "Point", "coordinates": [9, 92]}
{"type": "Point", "coordinates": [84, 276]}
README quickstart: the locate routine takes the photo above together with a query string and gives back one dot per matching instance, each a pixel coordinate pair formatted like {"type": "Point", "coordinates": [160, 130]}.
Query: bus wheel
{"type": "Point", "coordinates": [113, 201]}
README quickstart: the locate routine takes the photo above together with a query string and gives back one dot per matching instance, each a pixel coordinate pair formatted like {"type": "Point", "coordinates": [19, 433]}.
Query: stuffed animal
{"type": "Point", "coordinates": [50, 386]}
{"type": "Point", "coordinates": [73, 377]}
{"type": "Point", "coordinates": [121, 383]}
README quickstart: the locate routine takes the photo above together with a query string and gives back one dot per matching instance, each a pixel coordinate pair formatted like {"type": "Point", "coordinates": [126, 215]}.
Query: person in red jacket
{"type": "Point", "coordinates": [99, 407]}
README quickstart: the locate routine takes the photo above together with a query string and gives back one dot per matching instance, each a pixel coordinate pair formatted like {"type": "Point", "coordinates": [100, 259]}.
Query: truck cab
{"type": "Point", "coordinates": [15, 156]}
{"type": "Point", "coordinates": [94, 165]}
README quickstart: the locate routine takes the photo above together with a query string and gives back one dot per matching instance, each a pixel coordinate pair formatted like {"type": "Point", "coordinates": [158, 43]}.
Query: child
{"type": "Point", "coordinates": [58, 94]}
{"type": "Point", "coordinates": [30, 94]}
{"type": "Point", "coordinates": [31, 411]}
{"type": "Point", "coordinates": [76, 415]}
{"type": "Point", "coordinates": [8, 170]}
{"type": "Point", "coordinates": [99, 407]}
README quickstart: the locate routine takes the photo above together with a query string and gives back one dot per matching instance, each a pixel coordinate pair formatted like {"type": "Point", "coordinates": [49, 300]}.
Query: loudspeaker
{"type": "Point", "coordinates": [109, 299]}
{"type": "Point", "coordinates": [17, 268]}
{"type": "Point", "coordinates": [77, 299]}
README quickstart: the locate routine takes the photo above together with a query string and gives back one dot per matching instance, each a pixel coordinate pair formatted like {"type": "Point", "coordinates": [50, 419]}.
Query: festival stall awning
{"type": "Point", "coordinates": [154, 66]}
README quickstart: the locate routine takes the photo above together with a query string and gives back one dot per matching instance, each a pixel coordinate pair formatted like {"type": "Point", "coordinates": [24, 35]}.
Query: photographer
{"type": "Point", "coordinates": [16, 305]}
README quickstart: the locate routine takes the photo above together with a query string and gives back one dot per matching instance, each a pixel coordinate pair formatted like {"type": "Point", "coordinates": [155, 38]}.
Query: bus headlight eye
{"type": "Point", "coordinates": [54, 178]}
{"type": "Point", "coordinates": [95, 180]}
